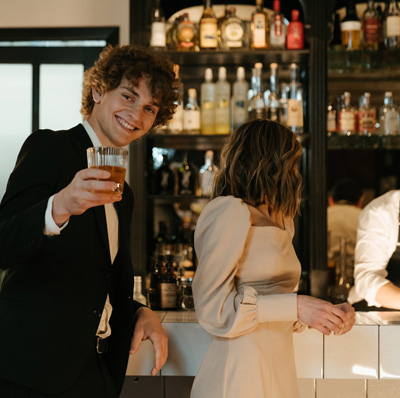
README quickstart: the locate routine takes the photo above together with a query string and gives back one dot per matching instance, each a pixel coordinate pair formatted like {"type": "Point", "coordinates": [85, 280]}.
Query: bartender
{"type": "Point", "coordinates": [377, 256]}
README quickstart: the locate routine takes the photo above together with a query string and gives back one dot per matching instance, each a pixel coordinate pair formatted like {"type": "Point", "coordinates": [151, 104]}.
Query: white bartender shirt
{"type": "Point", "coordinates": [377, 236]}
{"type": "Point", "coordinates": [51, 228]}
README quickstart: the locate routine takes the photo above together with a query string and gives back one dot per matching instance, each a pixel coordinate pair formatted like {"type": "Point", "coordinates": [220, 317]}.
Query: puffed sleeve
{"type": "Point", "coordinates": [221, 310]}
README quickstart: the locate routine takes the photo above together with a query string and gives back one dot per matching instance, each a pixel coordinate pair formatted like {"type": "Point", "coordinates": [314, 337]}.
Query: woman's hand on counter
{"type": "Point", "coordinates": [350, 314]}
{"type": "Point", "coordinates": [324, 316]}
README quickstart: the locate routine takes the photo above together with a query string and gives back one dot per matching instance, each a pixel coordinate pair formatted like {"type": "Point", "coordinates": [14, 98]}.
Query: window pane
{"type": "Point", "coordinates": [60, 96]}
{"type": "Point", "coordinates": [16, 115]}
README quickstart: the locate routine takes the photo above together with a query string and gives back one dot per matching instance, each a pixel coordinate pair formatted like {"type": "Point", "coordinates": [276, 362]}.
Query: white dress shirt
{"type": "Point", "coordinates": [51, 228]}
{"type": "Point", "coordinates": [377, 236]}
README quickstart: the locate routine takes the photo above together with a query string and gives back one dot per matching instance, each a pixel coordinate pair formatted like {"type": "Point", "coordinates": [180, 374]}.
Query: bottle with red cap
{"type": "Point", "coordinates": [295, 35]}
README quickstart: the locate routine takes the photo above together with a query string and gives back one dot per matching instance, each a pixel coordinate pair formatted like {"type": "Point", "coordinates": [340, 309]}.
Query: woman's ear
{"type": "Point", "coordinates": [97, 95]}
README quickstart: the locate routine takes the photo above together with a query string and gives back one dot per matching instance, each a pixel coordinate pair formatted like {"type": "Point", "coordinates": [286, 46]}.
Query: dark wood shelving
{"type": "Point", "coordinates": [336, 141]}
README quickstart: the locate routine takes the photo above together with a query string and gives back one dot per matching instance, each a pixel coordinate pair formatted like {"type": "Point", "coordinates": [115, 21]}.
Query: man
{"type": "Point", "coordinates": [344, 209]}
{"type": "Point", "coordinates": [67, 318]}
{"type": "Point", "coordinates": [377, 256]}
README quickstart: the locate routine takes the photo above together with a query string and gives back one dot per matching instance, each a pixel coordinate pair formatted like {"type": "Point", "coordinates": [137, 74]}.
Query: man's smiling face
{"type": "Point", "coordinates": [123, 114]}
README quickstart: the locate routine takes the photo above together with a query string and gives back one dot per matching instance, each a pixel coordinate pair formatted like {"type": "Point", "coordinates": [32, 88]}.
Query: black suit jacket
{"type": "Point", "coordinates": [55, 288]}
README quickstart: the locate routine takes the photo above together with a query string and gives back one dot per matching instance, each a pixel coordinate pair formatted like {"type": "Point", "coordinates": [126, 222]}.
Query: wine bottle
{"type": "Point", "coordinates": [158, 33]}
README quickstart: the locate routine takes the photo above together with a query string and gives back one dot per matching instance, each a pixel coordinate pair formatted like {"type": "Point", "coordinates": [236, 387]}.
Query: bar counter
{"type": "Point", "coordinates": [363, 363]}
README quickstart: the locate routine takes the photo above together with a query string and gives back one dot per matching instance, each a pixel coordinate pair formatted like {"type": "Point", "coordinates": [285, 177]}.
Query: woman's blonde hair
{"type": "Point", "coordinates": [259, 164]}
{"type": "Point", "coordinates": [133, 63]}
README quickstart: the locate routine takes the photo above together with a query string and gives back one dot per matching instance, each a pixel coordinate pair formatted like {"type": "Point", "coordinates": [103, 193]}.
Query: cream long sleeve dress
{"type": "Point", "coordinates": [244, 297]}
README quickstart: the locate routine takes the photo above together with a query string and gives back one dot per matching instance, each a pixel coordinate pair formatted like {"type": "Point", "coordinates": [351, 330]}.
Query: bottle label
{"type": "Point", "coordinates": [347, 121]}
{"type": "Point", "coordinates": [366, 121]}
{"type": "Point", "coordinates": [259, 38]}
{"type": "Point", "coordinates": [158, 34]}
{"type": "Point", "coordinates": [186, 34]}
{"type": "Point", "coordinates": [234, 34]}
{"type": "Point", "coordinates": [331, 121]}
{"type": "Point", "coordinates": [295, 113]}
{"type": "Point", "coordinates": [191, 120]}
{"type": "Point", "coordinates": [371, 31]}
{"type": "Point", "coordinates": [391, 122]}
{"type": "Point", "coordinates": [393, 26]}
{"type": "Point", "coordinates": [168, 295]}
{"type": "Point", "coordinates": [208, 33]}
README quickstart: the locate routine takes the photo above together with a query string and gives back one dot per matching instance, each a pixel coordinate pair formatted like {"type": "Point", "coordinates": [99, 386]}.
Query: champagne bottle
{"type": "Point", "coordinates": [168, 286]}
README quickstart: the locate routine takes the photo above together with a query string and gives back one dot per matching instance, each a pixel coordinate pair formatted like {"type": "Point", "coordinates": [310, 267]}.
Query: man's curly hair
{"type": "Point", "coordinates": [132, 63]}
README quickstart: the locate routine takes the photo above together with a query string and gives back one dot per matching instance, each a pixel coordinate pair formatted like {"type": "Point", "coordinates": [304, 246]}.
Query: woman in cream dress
{"type": "Point", "coordinates": [244, 288]}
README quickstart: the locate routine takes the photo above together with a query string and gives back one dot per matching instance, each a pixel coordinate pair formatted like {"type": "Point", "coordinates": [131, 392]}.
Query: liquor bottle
{"type": "Point", "coordinates": [171, 35]}
{"type": "Point", "coordinates": [153, 293]}
{"type": "Point", "coordinates": [186, 177]}
{"type": "Point", "coordinates": [391, 25]}
{"type": "Point", "coordinates": [389, 117]}
{"type": "Point", "coordinates": [371, 27]}
{"type": "Point", "coordinates": [165, 179]}
{"type": "Point", "coordinates": [278, 28]}
{"type": "Point", "coordinates": [336, 42]}
{"type": "Point", "coordinates": [240, 89]}
{"type": "Point", "coordinates": [191, 114]}
{"type": "Point", "coordinates": [185, 33]}
{"type": "Point", "coordinates": [259, 27]}
{"type": "Point", "coordinates": [158, 37]}
{"type": "Point", "coordinates": [271, 97]}
{"type": "Point", "coordinates": [347, 122]}
{"type": "Point", "coordinates": [283, 103]}
{"type": "Point", "coordinates": [137, 290]}
{"type": "Point", "coordinates": [175, 125]}
{"type": "Point", "coordinates": [208, 27]}
{"type": "Point", "coordinates": [207, 174]}
{"type": "Point", "coordinates": [207, 90]}
{"type": "Point", "coordinates": [295, 34]}
{"type": "Point", "coordinates": [366, 116]}
{"type": "Point", "coordinates": [331, 119]}
{"type": "Point", "coordinates": [168, 286]}
{"type": "Point", "coordinates": [351, 28]}
{"type": "Point", "coordinates": [232, 30]}
{"type": "Point", "coordinates": [162, 240]}
{"type": "Point", "coordinates": [257, 103]}
{"type": "Point", "coordinates": [295, 102]}
{"type": "Point", "coordinates": [222, 98]}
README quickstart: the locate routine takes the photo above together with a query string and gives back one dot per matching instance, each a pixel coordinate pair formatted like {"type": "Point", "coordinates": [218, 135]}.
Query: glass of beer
{"type": "Point", "coordinates": [112, 159]}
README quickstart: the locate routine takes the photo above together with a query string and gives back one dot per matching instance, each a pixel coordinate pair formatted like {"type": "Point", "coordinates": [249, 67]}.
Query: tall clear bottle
{"type": "Point", "coordinates": [347, 122]}
{"type": "Point", "coordinates": [158, 28]}
{"type": "Point", "coordinates": [351, 27]}
{"type": "Point", "coordinates": [371, 27]}
{"type": "Point", "coordinates": [295, 102]}
{"type": "Point", "coordinates": [222, 99]}
{"type": "Point", "coordinates": [391, 25]}
{"type": "Point", "coordinates": [271, 95]}
{"type": "Point", "coordinates": [278, 29]}
{"type": "Point", "coordinates": [257, 103]}
{"type": "Point", "coordinates": [207, 92]}
{"type": "Point", "coordinates": [259, 27]}
{"type": "Point", "coordinates": [191, 114]}
{"type": "Point", "coordinates": [208, 27]}
{"type": "Point", "coordinates": [240, 89]}
{"type": "Point", "coordinates": [207, 174]}
{"type": "Point", "coordinates": [389, 118]}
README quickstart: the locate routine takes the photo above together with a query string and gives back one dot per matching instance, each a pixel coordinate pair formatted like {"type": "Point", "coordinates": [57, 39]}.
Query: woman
{"type": "Point", "coordinates": [248, 270]}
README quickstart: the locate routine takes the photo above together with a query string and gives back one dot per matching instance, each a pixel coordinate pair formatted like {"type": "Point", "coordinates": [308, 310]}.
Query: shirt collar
{"type": "Point", "coordinates": [91, 133]}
